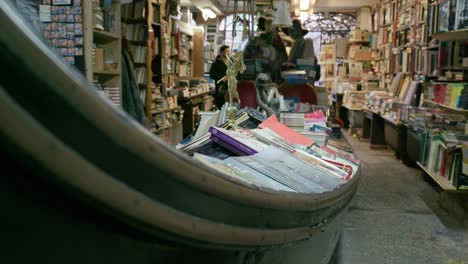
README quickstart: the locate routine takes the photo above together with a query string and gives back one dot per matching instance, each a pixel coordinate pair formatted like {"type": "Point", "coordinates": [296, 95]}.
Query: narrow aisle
{"type": "Point", "coordinates": [395, 216]}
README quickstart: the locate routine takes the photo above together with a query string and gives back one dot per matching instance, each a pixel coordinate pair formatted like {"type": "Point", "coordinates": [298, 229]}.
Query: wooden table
{"type": "Point", "coordinates": [373, 128]}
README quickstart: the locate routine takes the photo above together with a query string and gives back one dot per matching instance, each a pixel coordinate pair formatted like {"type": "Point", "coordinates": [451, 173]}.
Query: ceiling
{"type": "Point", "coordinates": [342, 5]}
{"type": "Point", "coordinates": [320, 5]}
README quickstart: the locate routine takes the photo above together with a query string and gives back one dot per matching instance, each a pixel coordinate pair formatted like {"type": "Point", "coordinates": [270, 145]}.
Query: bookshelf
{"type": "Point", "coordinates": [198, 58]}
{"type": "Point", "coordinates": [102, 46]}
{"type": "Point", "coordinates": [451, 35]}
{"type": "Point", "coordinates": [146, 33]}
{"type": "Point", "coordinates": [103, 36]}
{"type": "Point", "coordinates": [460, 110]}
{"type": "Point", "coordinates": [441, 181]}
{"type": "Point", "coordinates": [420, 59]}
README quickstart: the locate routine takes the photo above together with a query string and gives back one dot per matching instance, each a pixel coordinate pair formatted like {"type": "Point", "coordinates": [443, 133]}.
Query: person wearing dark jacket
{"type": "Point", "coordinates": [218, 74]}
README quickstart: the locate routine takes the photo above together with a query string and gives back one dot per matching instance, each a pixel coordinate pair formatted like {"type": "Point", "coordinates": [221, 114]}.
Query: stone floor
{"type": "Point", "coordinates": [396, 216]}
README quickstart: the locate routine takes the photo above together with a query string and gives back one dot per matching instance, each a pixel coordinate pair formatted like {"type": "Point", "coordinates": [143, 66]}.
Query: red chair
{"type": "Point", "coordinates": [247, 96]}
{"type": "Point", "coordinates": [305, 92]}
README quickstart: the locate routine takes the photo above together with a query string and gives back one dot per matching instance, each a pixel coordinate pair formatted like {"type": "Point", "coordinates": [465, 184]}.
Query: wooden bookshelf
{"type": "Point", "coordinates": [107, 38]}
{"type": "Point", "coordinates": [351, 108]}
{"type": "Point", "coordinates": [164, 110]}
{"type": "Point", "coordinates": [441, 181]}
{"type": "Point", "coordinates": [451, 35]}
{"type": "Point", "coordinates": [192, 97]}
{"type": "Point", "coordinates": [465, 111]}
{"type": "Point", "coordinates": [104, 72]}
{"type": "Point", "coordinates": [103, 36]}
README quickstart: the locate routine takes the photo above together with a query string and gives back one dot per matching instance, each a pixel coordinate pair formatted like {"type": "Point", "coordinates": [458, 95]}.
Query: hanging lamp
{"type": "Point", "coordinates": [282, 17]}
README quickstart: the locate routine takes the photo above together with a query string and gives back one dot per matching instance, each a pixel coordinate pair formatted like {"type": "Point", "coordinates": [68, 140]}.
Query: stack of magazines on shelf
{"type": "Point", "coordinates": [444, 148]}
{"type": "Point", "coordinates": [273, 156]}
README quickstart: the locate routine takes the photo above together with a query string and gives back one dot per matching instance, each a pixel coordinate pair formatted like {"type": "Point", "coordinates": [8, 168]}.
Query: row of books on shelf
{"type": "Point", "coordinates": [404, 92]}
{"type": "Point", "coordinates": [425, 118]}
{"type": "Point", "coordinates": [111, 93]}
{"type": "Point", "coordinates": [431, 62]}
{"type": "Point", "coordinates": [441, 16]}
{"type": "Point", "coordinates": [135, 32]}
{"type": "Point", "coordinates": [159, 104]}
{"type": "Point", "coordinates": [135, 10]}
{"type": "Point", "coordinates": [407, 47]}
{"type": "Point", "coordinates": [450, 94]}
{"type": "Point", "coordinates": [166, 120]}
{"type": "Point", "coordinates": [265, 153]}
{"type": "Point", "coordinates": [104, 17]}
{"type": "Point", "coordinates": [445, 153]}
{"type": "Point", "coordinates": [448, 15]}
{"type": "Point", "coordinates": [139, 54]}
{"type": "Point", "coordinates": [141, 75]}
{"type": "Point", "coordinates": [103, 59]}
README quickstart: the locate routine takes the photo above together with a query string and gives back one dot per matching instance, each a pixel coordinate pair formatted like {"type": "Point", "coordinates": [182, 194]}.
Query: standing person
{"type": "Point", "coordinates": [218, 74]}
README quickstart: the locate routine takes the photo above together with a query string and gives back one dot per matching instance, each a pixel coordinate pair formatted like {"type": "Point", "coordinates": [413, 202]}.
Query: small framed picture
{"type": "Point", "coordinates": [55, 42]}
{"type": "Point", "coordinates": [62, 34]}
{"type": "Point", "coordinates": [71, 28]}
{"type": "Point", "coordinates": [46, 34]}
{"type": "Point", "coordinates": [70, 52]}
{"type": "Point", "coordinates": [54, 34]}
{"type": "Point", "coordinates": [70, 43]}
{"type": "Point", "coordinates": [55, 18]}
{"type": "Point", "coordinates": [70, 18]}
{"type": "Point", "coordinates": [62, 9]}
{"type": "Point", "coordinates": [54, 10]}
{"type": "Point", "coordinates": [70, 59]}
{"type": "Point", "coordinates": [78, 29]}
{"type": "Point", "coordinates": [78, 18]}
{"type": "Point", "coordinates": [63, 51]}
{"type": "Point", "coordinates": [54, 26]}
{"type": "Point", "coordinates": [77, 3]}
{"type": "Point", "coordinates": [77, 10]}
{"type": "Point", "coordinates": [78, 51]}
{"type": "Point", "coordinates": [62, 43]}
{"type": "Point", "coordinates": [62, 18]}
{"type": "Point", "coordinates": [78, 41]}
{"type": "Point", "coordinates": [62, 2]}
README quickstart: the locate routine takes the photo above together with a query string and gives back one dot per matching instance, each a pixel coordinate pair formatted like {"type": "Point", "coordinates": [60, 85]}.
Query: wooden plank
{"type": "Point", "coordinates": [441, 181]}
{"type": "Point", "coordinates": [446, 106]}
{"type": "Point", "coordinates": [103, 36]}
{"type": "Point", "coordinates": [451, 35]}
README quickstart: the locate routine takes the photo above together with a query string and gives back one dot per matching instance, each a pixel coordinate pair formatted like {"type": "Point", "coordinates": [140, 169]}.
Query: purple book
{"type": "Point", "coordinates": [238, 142]}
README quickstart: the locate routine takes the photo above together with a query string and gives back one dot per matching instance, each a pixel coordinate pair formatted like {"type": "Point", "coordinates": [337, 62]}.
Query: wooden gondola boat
{"type": "Point", "coordinates": [84, 183]}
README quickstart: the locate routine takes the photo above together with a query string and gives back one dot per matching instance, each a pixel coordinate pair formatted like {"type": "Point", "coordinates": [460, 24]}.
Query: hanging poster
{"type": "Point", "coordinates": [329, 55]}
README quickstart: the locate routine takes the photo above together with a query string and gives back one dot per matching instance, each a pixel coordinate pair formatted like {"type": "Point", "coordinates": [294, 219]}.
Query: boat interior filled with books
{"type": "Point", "coordinates": [244, 188]}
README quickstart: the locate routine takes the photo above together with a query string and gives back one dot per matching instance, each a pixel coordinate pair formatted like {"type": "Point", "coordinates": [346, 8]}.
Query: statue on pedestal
{"type": "Point", "coordinates": [235, 65]}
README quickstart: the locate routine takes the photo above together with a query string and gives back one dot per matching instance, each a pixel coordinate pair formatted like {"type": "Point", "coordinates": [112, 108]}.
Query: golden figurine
{"type": "Point", "coordinates": [235, 65]}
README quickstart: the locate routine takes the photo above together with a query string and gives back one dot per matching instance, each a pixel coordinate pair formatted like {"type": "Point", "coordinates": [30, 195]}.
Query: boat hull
{"type": "Point", "coordinates": [88, 184]}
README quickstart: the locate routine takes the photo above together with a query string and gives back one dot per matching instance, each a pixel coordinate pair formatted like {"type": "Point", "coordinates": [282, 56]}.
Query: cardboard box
{"type": "Point", "coordinates": [359, 35]}
{"type": "Point", "coordinates": [99, 59]}
{"type": "Point", "coordinates": [362, 56]}
{"type": "Point", "coordinates": [355, 49]}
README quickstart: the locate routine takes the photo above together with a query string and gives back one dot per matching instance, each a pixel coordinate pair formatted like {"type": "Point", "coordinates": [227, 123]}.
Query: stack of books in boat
{"type": "Point", "coordinates": [273, 156]}
{"type": "Point", "coordinates": [303, 122]}
{"type": "Point", "coordinates": [294, 121]}
{"type": "Point", "coordinates": [335, 130]}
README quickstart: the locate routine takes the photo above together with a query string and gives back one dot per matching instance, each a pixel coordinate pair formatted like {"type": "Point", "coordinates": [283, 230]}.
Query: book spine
{"type": "Point", "coordinates": [227, 146]}
{"type": "Point", "coordinates": [230, 143]}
